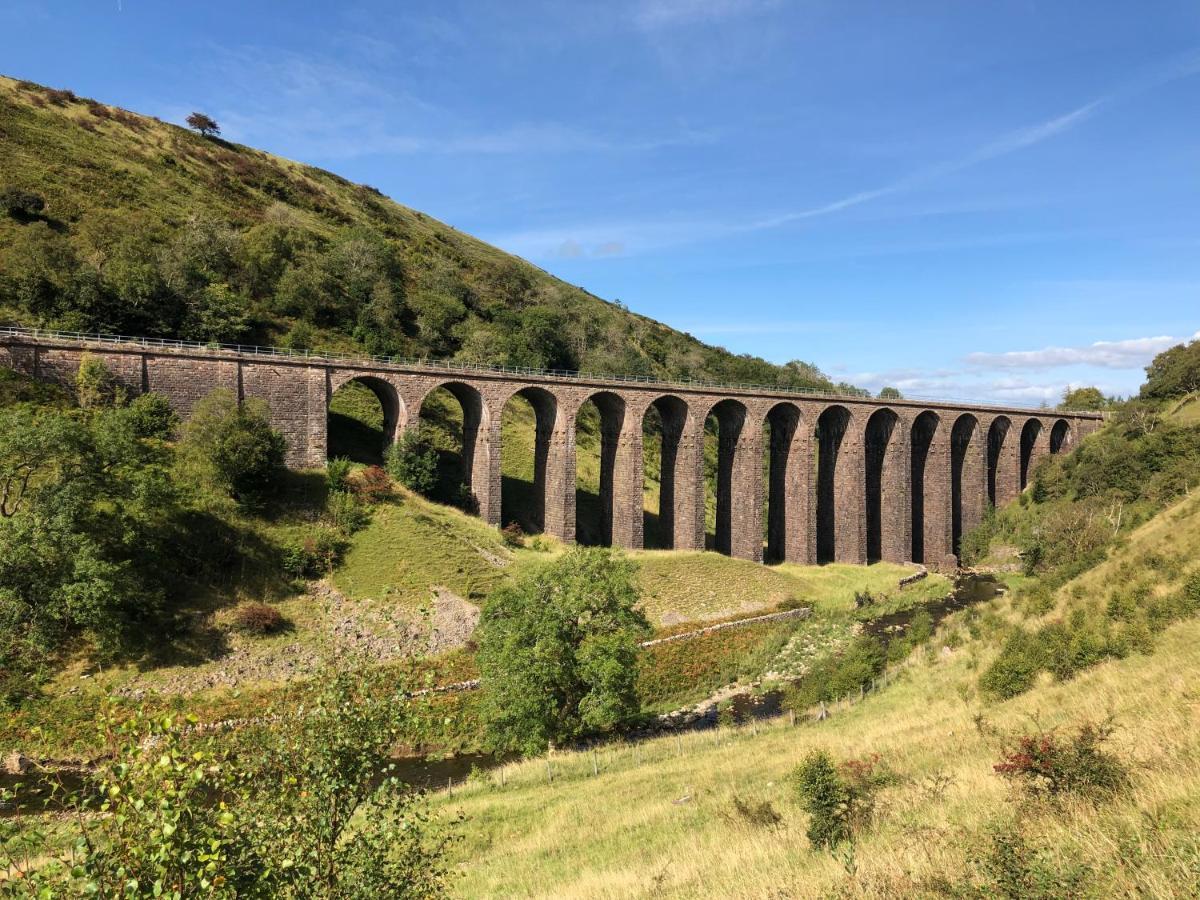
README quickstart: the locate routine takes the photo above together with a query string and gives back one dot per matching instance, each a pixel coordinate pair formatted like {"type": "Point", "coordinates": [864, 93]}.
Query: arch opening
{"type": "Point", "coordinates": [924, 429]}
{"type": "Point", "coordinates": [1060, 436]}
{"type": "Point", "coordinates": [781, 429]}
{"type": "Point", "coordinates": [997, 436]}
{"type": "Point", "coordinates": [663, 425]}
{"type": "Point", "coordinates": [598, 426]}
{"type": "Point", "coordinates": [361, 420]}
{"type": "Point", "coordinates": [882, 488]}
{"type": "Point", "coordinates": [452, 415]}
{"type": "Point", "coordinates": [962, 472]}
{"type": "Point", "coordinates": [527, 423]}
{"type": "Point", "coordinates": [722, 430]}
{"type": "Point", "coordinates": [829, 434]}
{"type": "Point", "coordinates": [1030, 434]}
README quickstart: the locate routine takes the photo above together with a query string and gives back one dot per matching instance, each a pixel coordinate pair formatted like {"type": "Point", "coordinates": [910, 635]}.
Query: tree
{"type": "Point", "coordinates": [1083, 398]}
{"type": "Point", "coordinates": [206, 125]}
{"type": "Point", "coordinates": [234, 445]}
{"type": "Point", "coordinates": [95, 386]}
{"type": "Point", "coordinates": [557, 652]}
{"type": "Point", "coordinates": [413, 462]}
{"type": "Point", "coordinates": [890, 393]}
{"type": "Point", "coordinates": [1173, 373]}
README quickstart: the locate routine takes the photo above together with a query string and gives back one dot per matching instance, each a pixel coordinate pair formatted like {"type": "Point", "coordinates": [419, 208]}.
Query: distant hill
{"type": "Point", "coordinates": [117, 222]}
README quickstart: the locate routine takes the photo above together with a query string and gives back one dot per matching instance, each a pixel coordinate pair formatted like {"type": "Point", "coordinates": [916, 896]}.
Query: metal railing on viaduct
{"type": "Point", "coordinates": [850, 478]}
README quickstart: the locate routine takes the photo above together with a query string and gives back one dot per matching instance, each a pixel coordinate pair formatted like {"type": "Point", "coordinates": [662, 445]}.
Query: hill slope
{"type": "Point", "coordinates": [112, 221]}
{"type": "Point", "coordinates": [659, 819]}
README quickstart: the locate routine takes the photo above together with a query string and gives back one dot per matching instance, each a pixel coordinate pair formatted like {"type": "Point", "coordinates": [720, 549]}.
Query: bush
{"type": "Point", "coordinates": [839, 800]}
{"type": "Point", "coordinates": [1044, 764]}
{"type": "Point", "coordinates": [151, 416]}
{"type": "Point", "coordinates": [20, 204]}
{"type": "Point", "coordinates": [1011, 869]}
{"type": "Point", "coordinates": [512, 535]}
{"type": "Point", "coordinates": [337, 473]}
{"type": "Point", "coordinates": [236, 446]}
{"type": "Point", "coordinates": [372, 485]}
{"type": "Point", "coordinates": [1014, 670]}
{"type": "Point", "coordinates": [346, 513]}
{"type": "Point", "coordinates": [259, 619]}
{"type": "Point", "coordinates": [315, 556]}
{"type": "Point", "coordinates": [413, 463]}
{"type": "Point", "coordinates": [95, 386]}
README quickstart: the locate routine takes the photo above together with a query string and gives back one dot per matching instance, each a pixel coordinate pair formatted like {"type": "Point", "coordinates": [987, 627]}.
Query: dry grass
{"type": "Point", "coordinates": [624, 833]}
{"type": "Point", "coordinates": [630, 833]}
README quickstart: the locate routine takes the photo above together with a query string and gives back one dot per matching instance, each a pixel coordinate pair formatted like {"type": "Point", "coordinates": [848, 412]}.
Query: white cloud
{"type": "Point", "coordinates": [1134, 353]}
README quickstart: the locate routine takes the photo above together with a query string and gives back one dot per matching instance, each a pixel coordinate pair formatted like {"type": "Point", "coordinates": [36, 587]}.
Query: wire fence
{"type": "Point", "coordinates": [323, 357]}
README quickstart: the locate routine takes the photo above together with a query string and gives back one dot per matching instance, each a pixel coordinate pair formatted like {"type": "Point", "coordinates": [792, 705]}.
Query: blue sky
{"type": "Point", "coordinates": [968, 200]}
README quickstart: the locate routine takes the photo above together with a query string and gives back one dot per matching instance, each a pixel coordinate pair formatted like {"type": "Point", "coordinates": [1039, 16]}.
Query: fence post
{"type": "Point", "coordinates": [595, 765]}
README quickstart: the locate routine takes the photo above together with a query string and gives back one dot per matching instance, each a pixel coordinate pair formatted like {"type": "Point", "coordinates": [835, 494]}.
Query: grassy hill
{"type": "Point", "coordinates": [119, 222]}
{"type": "Point", "coordinates": [660, 820]}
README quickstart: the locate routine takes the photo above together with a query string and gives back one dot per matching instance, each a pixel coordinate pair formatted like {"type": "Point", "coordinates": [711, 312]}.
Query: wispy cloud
{"type": "Point", "coordinates": [1134, 353]}
{"type": "Point", "coordinates": [656, 14]}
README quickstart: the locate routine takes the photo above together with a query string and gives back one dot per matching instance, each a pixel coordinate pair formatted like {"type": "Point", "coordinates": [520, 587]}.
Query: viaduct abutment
{"type": "Point", "coordinates": [847, 479]}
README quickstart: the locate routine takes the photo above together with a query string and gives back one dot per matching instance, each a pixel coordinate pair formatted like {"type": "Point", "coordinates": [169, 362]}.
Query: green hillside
{"type": "Point", "coordinates": [118, 222]}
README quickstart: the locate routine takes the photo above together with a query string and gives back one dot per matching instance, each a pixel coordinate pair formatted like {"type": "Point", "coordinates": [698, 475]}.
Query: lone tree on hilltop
{"type": "Point", "coordinates": [206, 125]}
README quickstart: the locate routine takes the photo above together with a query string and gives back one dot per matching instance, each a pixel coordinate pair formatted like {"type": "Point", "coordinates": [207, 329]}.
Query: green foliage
{"type": "Point", "coordinates": [22, 205]}
{"type": "Point", "coordinates": [890, 393]}
{"type": "Point", "coordinates": [307, 807]}
{"type": "Point", "coordinates": [1009, 868]}
{"type": "Point", "coordinates": [321, 809]}
{"type": "Point", "coordinates": [315, 555]}
{"type": "Point", "coordinates": [151, 416]}
{"type": "Point", "coordinates": [1013, 672]}
{"type": "Point", "coordinates": [557, 651]}
{"type": "Point", "coordinates": [216, 242]}
{"type": "Point", "coordinates": [413, 462]}
{"type": "Point", "coordinates": [839, 799]}
{"type": "Point", "coordinates": [839, 675]}
{"type": "Point", "coordinates": [337, 473]}
{"type": "Point", "coordinates": [95, 385]}
{"type": "Point", "coordinates": [1045, 764]}
{"type": "Point", "coordinates": [234, 445]}
{"type": "Point", "coordinates": [1173, 373]}
{"type": "Point", "coordinates": [976, 543]}
{"type": "Point", "coordinates": [346, 513]}
{"type": "Point", "coordinates": [1083, 398]}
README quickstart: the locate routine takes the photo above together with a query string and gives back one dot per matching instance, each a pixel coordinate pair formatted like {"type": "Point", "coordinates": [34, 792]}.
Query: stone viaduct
{"type": "Point", "coordinates": [846, 479]}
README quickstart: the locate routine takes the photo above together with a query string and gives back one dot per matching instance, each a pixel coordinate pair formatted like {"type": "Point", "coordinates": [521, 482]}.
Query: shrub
{"type": "Point", "coordinates": [151, 416]}
{"type": "Point", "coordinates": [95, 385]}
{"type": "Point", "coordinates": [259, 619]}
{"type": "Point", "coordinates": [1044, 764]}
{"type": "Point", "coordinates": [1011, 869]}
{"type": "Point", "coordinates": [413, 462]}
{"type": "Point", "coordinates": [1014, 670]}
{"type": "Point", "coordinates": [761, 814]}
{"type": "Point", "coordinates": [372, 485]}
{"type": "Point", "coordinates": [337, 473]}
{"type": "Point", "coordinates": [346, 513]}
{"type": "Point", "coordinates": [512, 535]}
{"type": "Point", "coordinates": [839, 800]}
{"type": "Point", "coordinates": [235, 445]}
{"type": "Point", "coordinates": [315, 556]}
{"type": "Point", "coordinates": [20, 204]}
{"type": "Point", "coordinates": [206, 125]}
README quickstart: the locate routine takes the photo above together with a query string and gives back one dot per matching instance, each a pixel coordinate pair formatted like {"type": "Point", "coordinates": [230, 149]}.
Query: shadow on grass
{"type": "Point", "coordinates": [355, 440]}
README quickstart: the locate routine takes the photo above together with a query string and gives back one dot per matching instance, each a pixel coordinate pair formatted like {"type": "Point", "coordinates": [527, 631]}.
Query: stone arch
{"type": "Point", "coordinates": [528, 478]}
{"type": "Point", "coordinates": [732, 499]}
{"type": "Point", "coordinates": [928, 519]}
{"type": "Point", "coordinates": [1000, 477]}
{"type": "Point", "coordinates": [477, 453]}
{"type": "Point", "coordinates": [839, 519]}
{"type": "Point", "coordinates": [967, 478]}
{"type": "Point", "coordinates": [669, 420]}
{"type": "Point", "coordinates": [391, 423]}
{"type": "Point", "coordinates": [1060, 436]}
{"type": "Point", "coordinates": [595, 518]}
{"type": "Point", "coordinates": [885, 488]}
{"type": "Point", "coordinates": [787, 484]}
{"type": "Point", "coordinates": [1031, 437]}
